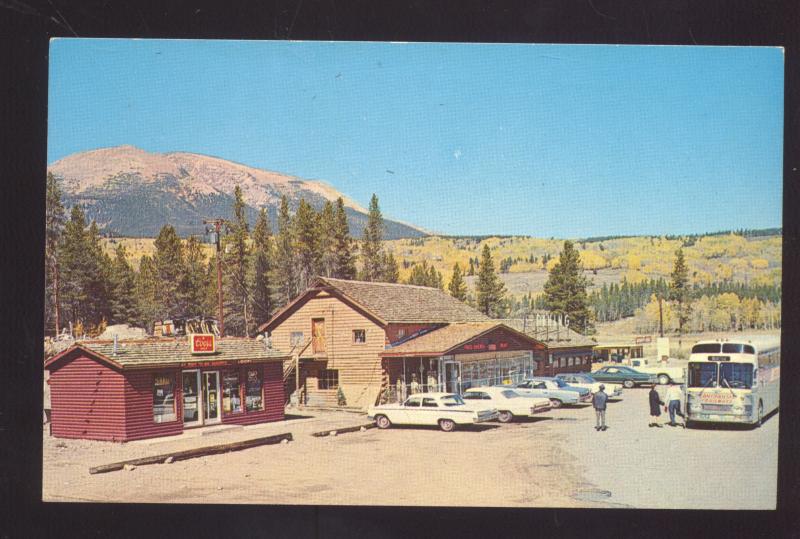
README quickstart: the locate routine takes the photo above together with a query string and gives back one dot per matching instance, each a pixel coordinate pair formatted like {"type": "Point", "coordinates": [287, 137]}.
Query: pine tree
{"type": "Point", "coordinates": [55, 218]}
{"type": "Point", "coordinates": [345, 267]}
{"type": "Point", "coordinates": [435, 279]}
{"type": "Point", "coordinates": [679, 290]}
{"type": "Point", "coordinates": [565, 289]}
{"type": "Point", "coordinates": [97, 282]}
{"type": "Point", "coordinates": [421, 275]}
{"type": "Point", "coordinates": [123, 289]}
{"type": "Point", "coordinates": [457, 286]}
{"type": "Point", "coordinates": [148, 303]}
{"type": "Point", "coordinates": [285, 268]}
{"type": "Point", "coordinates": [490, 289]}
{"type": "Point", "coordinates": [262, 269]}
{"type": "Point", "coordinates": [192, 289]}
{"type": "Point", "coordinates": [391, 272]}
{"type": "Point", "coordinates": [236, 262]}
{"type": "Point", "coordinates": [471, 270]}
{"type": "Point", "coordinates": [168, 260]}
{"type": "Point", "coordinates": [327, 240]}
{"type": "Point", "coordinates": [371, 248]}
{"type": "Point", "coordinates": [74, 266]}
{"type": "Point", "coordinates": [306, 246]}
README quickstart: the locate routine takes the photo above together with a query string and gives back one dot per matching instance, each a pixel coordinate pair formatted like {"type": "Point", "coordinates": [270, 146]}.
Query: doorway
{"type": "Point", "coordinates": [452, 376]}
{"type": "Point", "coordinates": [211, 412]}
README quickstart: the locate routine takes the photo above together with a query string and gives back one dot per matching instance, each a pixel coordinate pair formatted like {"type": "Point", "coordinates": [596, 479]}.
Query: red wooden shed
{"type": "Point", "coordinates": [129, 390]}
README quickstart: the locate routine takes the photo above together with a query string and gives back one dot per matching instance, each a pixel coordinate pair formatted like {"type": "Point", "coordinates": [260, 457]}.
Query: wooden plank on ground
{"type": "Point", "coordinates": [193, 453]}
{"type": "Point", "coordinates": [335, 432]}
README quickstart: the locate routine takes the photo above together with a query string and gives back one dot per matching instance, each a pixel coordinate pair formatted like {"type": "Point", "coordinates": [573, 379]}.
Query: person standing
{"type": "Point", "coordinates": [674, 398]}
{"type": "Point", "coordinates": [655, 408]}
{"type": "Point", "coordinates": [414, 384]}
{"type": "Point", "coordinates": [433, 382]}
{"type": "Point", "coordinates": [599, 400]}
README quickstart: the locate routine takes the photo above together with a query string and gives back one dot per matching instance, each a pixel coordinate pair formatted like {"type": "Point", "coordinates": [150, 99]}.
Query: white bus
{"type": "Point", "coordinates": [733, 381]}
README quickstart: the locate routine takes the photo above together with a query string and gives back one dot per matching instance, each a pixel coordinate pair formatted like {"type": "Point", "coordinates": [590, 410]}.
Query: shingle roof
{"type": "Point", "coordinates": [562, 337]}
{"type": "Point", "coordinates": [163, 352]}
{"type": "Point", "coordinates": [406, 303]}
{"type": "Point", "coordinates": [443, 339]}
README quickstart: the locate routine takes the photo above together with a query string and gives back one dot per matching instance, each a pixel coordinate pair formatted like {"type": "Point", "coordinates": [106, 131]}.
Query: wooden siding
{"type": "Point", "coordinates": [555, 368]}
{"type": "Point", "coordinates": [88, 400]}
{"type": "Point", "coordinates": [272, 388]}
{"type": "Point", "coordinates": [499, 340]}
{"type": "Point", "coordinates": [139, 422]}
{"type": "Point", "coordinates": [359, 365]}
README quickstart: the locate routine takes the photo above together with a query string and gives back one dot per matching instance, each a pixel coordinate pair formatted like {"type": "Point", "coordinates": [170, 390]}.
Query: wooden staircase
{"type": "Point", "coordinates": [289, 370]}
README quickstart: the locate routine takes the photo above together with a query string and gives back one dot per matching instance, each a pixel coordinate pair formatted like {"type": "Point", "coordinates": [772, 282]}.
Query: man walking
{"type": "Point", "coordinates": [674, 398]}
{"type": "Point", "coordinates": [655, 408]}
{"type": "Point", "coordinates": [599, 400]}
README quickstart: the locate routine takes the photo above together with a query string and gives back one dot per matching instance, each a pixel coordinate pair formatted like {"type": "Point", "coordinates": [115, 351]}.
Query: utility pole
{"type": "Point", "coordinates": [660, 317]}
{"type": "Point", "coordinates": [218, 228]}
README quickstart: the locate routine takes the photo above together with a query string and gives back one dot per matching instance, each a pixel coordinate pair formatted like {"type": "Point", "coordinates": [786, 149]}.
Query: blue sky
{"type": "Point", "coordinates": [563, 141]}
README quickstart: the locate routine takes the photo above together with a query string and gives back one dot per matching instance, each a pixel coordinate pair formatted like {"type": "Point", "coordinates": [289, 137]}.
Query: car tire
{"type": "Point", "coordinates": [447, 425]}
{"type": "Point", "coordinates": [383, 422]}
{"type": "Point", "coordinates": [555, 403]}
{"type": "Point", "coordinates": [663, 379]}
{"type": "Point", "coordinates": [628, 384]}
{"type": "Point", "coordinates": [505, 417]}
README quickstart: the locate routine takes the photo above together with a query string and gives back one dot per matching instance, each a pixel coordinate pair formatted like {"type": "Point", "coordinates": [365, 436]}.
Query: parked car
{"type": "Point", "coordinates": [665, 373]}
{"type": "Point", "coordinates": [558, 397]}
{"type": "Point", "coordinates": [581, 379]}
{"type": "Point", "coordinates": [558, 383]}
{"type": "Point", "coordinates": [444, 409]}
{"type": "Point", "coordinates": [508, 402]}
{"type": "Point", "coordinates": [627, 376]}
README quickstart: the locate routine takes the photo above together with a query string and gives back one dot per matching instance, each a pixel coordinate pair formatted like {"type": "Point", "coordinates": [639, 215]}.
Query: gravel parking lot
{"type": "Point", "coordinates": [557, 460]}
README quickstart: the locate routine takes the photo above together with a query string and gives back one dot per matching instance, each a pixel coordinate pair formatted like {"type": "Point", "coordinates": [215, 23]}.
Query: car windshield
{"type": "Point", "coordinates": [585, 378]}
{"type": "Point", "coordinates": [452, 400]}
{"type": "Point", "coordinates": [736, 375]}
{"type": "Point", "coordinates": [510, 394]}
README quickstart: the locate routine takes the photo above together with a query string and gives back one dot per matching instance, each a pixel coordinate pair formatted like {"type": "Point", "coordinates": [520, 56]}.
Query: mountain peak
{"type": "Point", "coordinates": [153, 189]}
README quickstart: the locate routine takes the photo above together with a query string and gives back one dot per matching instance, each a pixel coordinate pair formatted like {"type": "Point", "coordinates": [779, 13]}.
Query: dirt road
{"type": "Point", "coordinates": [556, 461]}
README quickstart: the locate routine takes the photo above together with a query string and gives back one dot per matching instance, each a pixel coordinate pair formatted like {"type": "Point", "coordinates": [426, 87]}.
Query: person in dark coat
{"type": "Point", "coordinates": [655, 408]}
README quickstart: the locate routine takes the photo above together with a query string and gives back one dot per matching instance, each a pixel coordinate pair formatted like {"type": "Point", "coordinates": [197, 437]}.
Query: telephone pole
{"type": "Point", "coordinates": [218, 229]}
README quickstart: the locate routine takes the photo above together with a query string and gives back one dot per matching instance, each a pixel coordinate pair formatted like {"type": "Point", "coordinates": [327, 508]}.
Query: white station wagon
{"type": "Point", "coordinates": [444, 409]}
{"type": "Point", "coordinates": [508, 402]}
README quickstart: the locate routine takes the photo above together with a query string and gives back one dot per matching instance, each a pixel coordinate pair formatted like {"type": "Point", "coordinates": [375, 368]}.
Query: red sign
{"type": "Point", "coordinates": [202, 343]}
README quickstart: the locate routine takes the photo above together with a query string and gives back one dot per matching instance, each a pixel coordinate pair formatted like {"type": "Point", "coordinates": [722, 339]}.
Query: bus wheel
{"type": "Point", "coordinates": [760, 414]}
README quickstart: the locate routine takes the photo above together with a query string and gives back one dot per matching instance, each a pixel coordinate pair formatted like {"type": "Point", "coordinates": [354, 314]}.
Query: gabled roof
{"type": "Point", "coordinates": [155, 352]}
{"type": "Point", "coordinates": [391, 303]}
{"type": "Point", "coordinates": [562, 337]}
{"type": "Point", "coordinates": [443, 340]}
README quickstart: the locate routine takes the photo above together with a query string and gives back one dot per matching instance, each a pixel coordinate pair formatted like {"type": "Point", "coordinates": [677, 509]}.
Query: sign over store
{"type": "Point", "coordinates": [202, 343]}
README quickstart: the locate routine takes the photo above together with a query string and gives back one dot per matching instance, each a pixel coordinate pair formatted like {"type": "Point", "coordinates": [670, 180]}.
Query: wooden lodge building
{"type": "Point", "coordinates": [357, 343]}
{"type": "Point", "coordinates": [129, 390]}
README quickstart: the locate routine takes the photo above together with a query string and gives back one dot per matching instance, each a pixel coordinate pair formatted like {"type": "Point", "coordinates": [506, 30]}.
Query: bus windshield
{"type": "Point", "coordinates": [706, 348]}
{"type": "Point", "coordinates": [702, 374]}
{"type": "Point", "coordinates": [736, 375]}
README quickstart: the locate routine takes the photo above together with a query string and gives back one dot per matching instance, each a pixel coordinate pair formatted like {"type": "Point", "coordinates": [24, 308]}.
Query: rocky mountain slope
{"type": "Point", "coordinates": [132, 192]}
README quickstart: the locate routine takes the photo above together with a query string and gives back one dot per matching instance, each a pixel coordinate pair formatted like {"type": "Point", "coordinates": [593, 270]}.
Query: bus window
{"type": "Point", "coordinates": [736, 375]}
{"type": "Point", "coordinates": [706, 348]}
{"type": "Point", "coordinates": [702, 374]}
{"type": "Point", "coordinates": [737, 348]}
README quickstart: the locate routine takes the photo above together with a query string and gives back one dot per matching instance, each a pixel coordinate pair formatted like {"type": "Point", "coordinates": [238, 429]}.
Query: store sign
{"type": "Point", "coordinates": [484, 346]}
{"type": "Point", "coordinates": [202, 343]}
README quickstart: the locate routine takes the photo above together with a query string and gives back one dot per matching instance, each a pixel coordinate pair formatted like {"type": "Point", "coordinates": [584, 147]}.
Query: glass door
{"type": "Point", "coordinates": [192, 403]}
{"type": "Point", "coordinates": [452, 373]}
{"type": "Point", "coordinates": [211, 412]}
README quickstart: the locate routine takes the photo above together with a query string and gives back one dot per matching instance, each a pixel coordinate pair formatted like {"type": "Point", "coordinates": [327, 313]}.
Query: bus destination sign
{"type": "Point", "coordinates": [719, 358]}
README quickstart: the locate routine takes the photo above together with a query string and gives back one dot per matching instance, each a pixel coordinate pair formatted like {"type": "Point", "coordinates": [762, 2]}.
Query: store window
{"type": "Point", "coordinates": [296, 338]}
{"type": "Point", "coordinates": [231, 394]}
{"type": "Point", "coordinates": [328, 379]}
{"type": "Point", "coordinates": [401, 333]}
{"type": "Point", "coordinates": [164, 398]}
{"type": "Point", "coordinates": [359, 336]}
{"type": "Point", "coordinates": [254, 399]}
